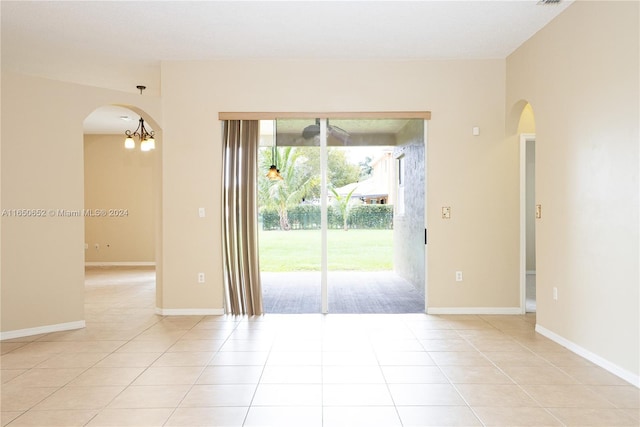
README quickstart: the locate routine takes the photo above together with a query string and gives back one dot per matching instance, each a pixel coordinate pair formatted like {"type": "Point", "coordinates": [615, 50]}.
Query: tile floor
{"type": "Point", "coordinates": [130, 367]}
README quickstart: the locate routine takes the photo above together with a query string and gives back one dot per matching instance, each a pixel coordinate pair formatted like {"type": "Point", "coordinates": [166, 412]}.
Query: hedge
{"type": "Point", "coordinates": [307, 217]}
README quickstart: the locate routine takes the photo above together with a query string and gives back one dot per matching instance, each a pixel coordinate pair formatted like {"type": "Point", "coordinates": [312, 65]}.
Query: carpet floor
{"type": "Point", "coordinates": [347, 292]}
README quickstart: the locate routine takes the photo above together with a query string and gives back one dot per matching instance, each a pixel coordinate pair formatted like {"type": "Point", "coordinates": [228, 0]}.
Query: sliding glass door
{"type": "Point", "coordinates": [329, 240]}
{"type": "Point", "coordinates": [290, 241]}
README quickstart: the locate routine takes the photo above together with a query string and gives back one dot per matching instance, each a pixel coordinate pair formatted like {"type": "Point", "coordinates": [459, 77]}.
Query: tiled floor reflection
{"type": "Point", "coordinates": [130, 367]}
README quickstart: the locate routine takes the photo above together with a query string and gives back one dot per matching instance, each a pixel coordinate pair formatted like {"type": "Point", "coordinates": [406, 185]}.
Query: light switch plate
{"type": "Point", "coordinates": [446, 212]}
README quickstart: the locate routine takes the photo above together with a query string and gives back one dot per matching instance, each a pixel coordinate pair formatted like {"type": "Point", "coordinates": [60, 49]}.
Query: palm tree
{"type": "Point", "coordinates": [344, 205]}
{"type": "Point", "coordinates": [288, 192]}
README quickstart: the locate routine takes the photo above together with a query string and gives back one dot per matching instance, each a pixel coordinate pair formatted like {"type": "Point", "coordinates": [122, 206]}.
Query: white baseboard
{"type": "Point", "coordinates": [19, 333]}
{"type": "Point", "coordinates": [189, 311]}
{"type": "Point", "coordinates": [616, 370]}
{"type": "Point", "coordinates": [121, 264]}
{"type": "Point", "coordinates": [474, 310]}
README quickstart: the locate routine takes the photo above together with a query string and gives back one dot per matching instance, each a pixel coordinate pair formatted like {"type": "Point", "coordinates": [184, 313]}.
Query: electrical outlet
{"type": "Point", "coordinates": [200, 277]}
{"type": "Point", "coordinates": [555, 293]}
{"type": "Point", "coordinates": [458, 276]}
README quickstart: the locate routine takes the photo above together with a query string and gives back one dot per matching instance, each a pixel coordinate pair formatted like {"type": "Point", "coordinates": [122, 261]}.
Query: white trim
{"type": "Point", "coordinates": [474, 310]}
{"type": "Point", "coordinates": [324, 262]}
{"type": "Point", "coordinates": [189, 311]}
{"type": "Point", "coordinates": [58, 327]}
{"type": "Point", "coordinates": [524, 137]}
{"type": "Point", "coordinates": [121, 264]}
{"type": "Point", "coordinates": [531, 272]}
{"type": "Point", "coordinates": [426, 222]}
{"type": "Point", "coordinates": [616, 370]}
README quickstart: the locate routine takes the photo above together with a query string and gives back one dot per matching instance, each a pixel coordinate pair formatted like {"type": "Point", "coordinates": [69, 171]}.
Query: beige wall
{"type": "Point", "coordinates": [42, 168]}
{"type": "Point", "coordinates": [119, 179]}
{"type": "Point", "coordinates": [476, 175]}
{"type": "Point", "coordinates": [580, 74]}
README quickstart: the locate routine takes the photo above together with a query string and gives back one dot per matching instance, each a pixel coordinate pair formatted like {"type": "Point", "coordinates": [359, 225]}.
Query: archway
{"type": "Point", "coordinates": [522, 123]}
{"type": "Point", "coordinates": [122, 195]}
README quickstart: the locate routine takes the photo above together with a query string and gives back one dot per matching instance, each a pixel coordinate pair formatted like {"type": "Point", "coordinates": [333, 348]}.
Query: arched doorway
{"type": "Point", "coordinates": [122, 201]}
{"type": "Point", "coordinates": [523, 122]}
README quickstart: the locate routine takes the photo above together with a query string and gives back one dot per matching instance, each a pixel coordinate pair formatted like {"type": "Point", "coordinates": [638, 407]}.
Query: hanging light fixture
{"type": "Point", "coordinates": [147, 140]}
{"type": "Point", "coordinates": [274, 172]}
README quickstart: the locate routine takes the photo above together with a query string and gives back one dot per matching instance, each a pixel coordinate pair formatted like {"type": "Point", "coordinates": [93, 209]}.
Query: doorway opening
{"type": "Point", "coordinates": [121, 210]}
{"type": "Point", "coordinates": [528, 219]}
{"type": "Point", "coordinates": [337, 230]}
{"type": "Point", "coordinates": [529, 211]}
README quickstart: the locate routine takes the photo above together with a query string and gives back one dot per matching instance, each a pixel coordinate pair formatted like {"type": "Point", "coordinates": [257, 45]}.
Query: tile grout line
{"type": "Point", "coordinates": [510, 378]}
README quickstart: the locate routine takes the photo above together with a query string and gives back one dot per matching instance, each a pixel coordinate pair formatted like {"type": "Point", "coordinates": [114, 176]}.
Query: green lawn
{"type": "Point", "coordinates": [299, 250]}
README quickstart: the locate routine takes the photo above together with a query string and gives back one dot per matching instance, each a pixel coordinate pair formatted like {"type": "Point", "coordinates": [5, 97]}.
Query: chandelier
{"type": "Point", "coordinates": [147, 141]}
{"type": "Point", "coordinates": [274, 172]}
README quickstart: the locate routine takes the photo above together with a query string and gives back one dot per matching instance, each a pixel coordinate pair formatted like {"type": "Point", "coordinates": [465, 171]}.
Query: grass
{"type": "Point", "coordinates": [299, 250]}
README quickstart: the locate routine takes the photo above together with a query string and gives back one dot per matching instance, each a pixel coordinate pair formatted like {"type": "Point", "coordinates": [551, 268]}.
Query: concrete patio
{"type": "Point", "coordinates": [348, 292]}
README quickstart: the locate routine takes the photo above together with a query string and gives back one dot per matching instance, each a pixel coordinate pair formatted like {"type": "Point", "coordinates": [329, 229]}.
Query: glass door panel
{"type": "Point", "coordinates": [369, 234]}
{"type": "Point", "coordinates": [289, 218]}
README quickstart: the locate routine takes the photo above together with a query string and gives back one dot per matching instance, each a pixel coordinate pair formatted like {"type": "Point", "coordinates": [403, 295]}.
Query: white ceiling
{"type": "Point", "coordinates": [120, 44]}
{"type": "Point", "coordinates": [112, 119]}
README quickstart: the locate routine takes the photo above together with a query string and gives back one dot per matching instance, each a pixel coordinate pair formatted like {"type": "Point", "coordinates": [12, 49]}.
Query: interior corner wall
{"type": "Point", "coordinates": [476, 175]}
{"type": "Point", "coordinates": [580, 74]}
{"type": "Point", "coordinates": [120, 182]}
{"type": "Point", "coordinates": [42, 172]}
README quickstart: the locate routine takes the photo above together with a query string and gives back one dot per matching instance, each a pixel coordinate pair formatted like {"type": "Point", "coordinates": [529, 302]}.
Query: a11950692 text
{"type": "Point", "coordinates": [65, 213]}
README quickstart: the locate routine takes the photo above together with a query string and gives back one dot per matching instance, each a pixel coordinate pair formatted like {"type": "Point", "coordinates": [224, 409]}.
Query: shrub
{"type": "Point", "coordinates": [307, 217]}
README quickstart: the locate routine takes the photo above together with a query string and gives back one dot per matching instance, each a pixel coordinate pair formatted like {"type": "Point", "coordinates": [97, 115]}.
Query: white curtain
{"type": "Point", "coordinates": [240, 224]}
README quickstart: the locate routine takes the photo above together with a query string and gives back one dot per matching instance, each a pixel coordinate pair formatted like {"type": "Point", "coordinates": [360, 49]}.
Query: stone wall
{"type": "Point", "coordinates": [408, 234]}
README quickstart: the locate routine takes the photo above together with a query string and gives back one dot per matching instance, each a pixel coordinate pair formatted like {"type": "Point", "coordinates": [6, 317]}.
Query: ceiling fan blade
{"type": "Point", "coordinates": [314, 130]}
{"type": "Point", "coordinates": [339, 134]}
{"type": "Point", "coordinates": [311, 131]}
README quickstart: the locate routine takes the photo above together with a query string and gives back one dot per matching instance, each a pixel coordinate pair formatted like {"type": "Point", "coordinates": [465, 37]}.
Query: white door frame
{"type": "Point", "coordinates": [524, 138]}
{"type": "Point", "coordinates": [323, 217]}
{"type": "Point", "coordinates": [426, 246]}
